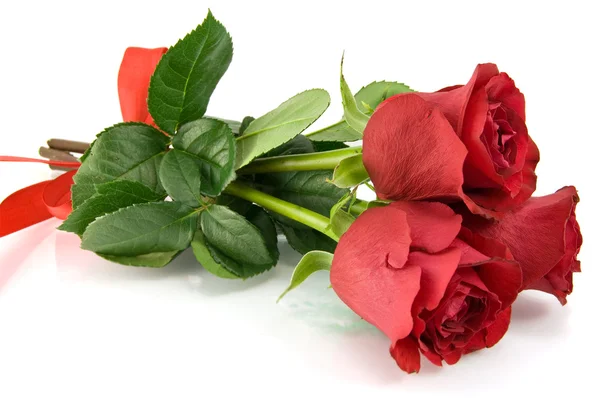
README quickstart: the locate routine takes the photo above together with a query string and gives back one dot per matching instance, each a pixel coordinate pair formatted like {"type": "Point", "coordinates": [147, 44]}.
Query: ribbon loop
{"type": "Point", "coordinates": [47, 199]}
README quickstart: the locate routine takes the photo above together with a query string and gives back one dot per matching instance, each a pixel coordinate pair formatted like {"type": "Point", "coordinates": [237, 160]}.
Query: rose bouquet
{"type": "Point", "coordinates": [435, 261]}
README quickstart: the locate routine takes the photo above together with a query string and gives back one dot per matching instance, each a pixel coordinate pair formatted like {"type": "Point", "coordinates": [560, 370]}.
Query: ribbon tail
{"type": "Point", "coordinates": [73, 165]}
{"type": "Point", "coordinates": [36, 203]}
{"type": "Point", "coordinates": [23, 209]}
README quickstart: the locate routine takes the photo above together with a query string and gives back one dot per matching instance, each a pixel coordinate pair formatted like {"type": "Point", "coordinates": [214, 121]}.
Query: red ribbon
{"type": "Point", "coordinates": [137, 68]}
{"type": "Point", "coordinates": [38, 202]}
{"type": "Point", "coordinates": [52, 198]}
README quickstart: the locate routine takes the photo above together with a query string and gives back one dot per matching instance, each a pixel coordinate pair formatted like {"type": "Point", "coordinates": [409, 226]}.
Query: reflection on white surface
{"type": "Point", "coordinates": [19, 249]}
{"type": "Point", "coordinates": [314, 303]}
{"type": "Point", "coordinates": [97, 317]}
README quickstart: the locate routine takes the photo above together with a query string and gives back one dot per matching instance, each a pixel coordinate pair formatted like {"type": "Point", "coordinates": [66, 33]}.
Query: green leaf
{"type": "Point", "coordinates": [371, 95]}
{"type": "Point", "coordinates": [233, 125]}
{"type": "Point", "coordinates": [180, 176]}
{"type": "Point", "coordinates": [338, 132]}
{"type": "Point", "coordinates": [187, 75]}
{"type": "Point", "coordinates": [342, 203]}
{"type": "Point", "coordinates": [126, 151]}
{"type": "Point", "coordinates": [152, 260]}
{"type": "Point", "coordinates": [87, 152]}
{"type": "Point", "coordinates": [261, 220]}
{"type": "Point", "coordinates": [110, 197]}
{"type": "Point", "coordinates": [308, 189]}
{"type": "Point", "coordinates": [304, 240]}
{"type": "Point", "coordinates": [257, 216]}
{"type": "Point", "coordinates": [322, 146]}
{"type": "Point", "coordinates": [356, 119]}
{"type": "Point", "coordinates": [226, 262]}
{"type": "Point", "coordinates": [235, 242]}
{"type": "Point", "coordinates": [204, 257]}
{"type": "Point", "coordinates": [280, 125]}
{"type": "Point", "coordinates": [357, 207]}
{"type": "Point", "coordinates": [375, 93]}
{"type": "Point", "coordinates": [350, 172]}
{"type": "Point", "coordinates": [311, 262]}
{"type": "Point", "coordinates": [236, 204]}
{"type": "Point", "coordinates": [245, 123]}
{"type": "Point", "coordinates": [378, 203]}
{"type": "Point", "coordinates": [142, 229]}
{"type": "Point", "coordinates": [299, 144]}
{"type": "Point", "coordinates": [367, 108]}
{"type": "Point", "coordinates": [341, 221]}
{"type": "Point", "coordinates": [340, 217]}
{"type": "Point", "coordinates": [206, 155]}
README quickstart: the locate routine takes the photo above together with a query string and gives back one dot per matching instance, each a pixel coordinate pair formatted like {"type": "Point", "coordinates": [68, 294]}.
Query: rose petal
{"type": "Point", "coordinates": [488, 337]}
{"type": "Point", "coordinates": [495, 201]}
{"type": "Point", "coordinates": [468, 276]}
{"type": "Point", "coordinates": [134, 78]}
{"type": "Point", "coordinates": [474, 208]}
{"type": "Point", "coordinates": [453, 102]}
{"type": "Point", "coordinates": [529, 178]}
{"type": "Point", "coordinates": [452, 357]}
{"type": "Point", "coordinates": [479, 169]}
{"type": "Point", "coordinates": [469, 255]}
{"type": "Point", "coordinates": [559, 281]}
{"type": "Point", "coordinates": [411, 152]}
{"type": "Point", "coordinates": [436, 272]}
{"type": "Point", "coordinates": [476, 343]}
{"type": "Point", "coordinates": [535, 234]}
{"type": "Point", "coordinates": [407, 356]}
{"type": "Point", "coordinates": [369, 272]}
{"type": "Point", "coordinates": [498, 329]}
{"type": "Point", "coordinates": [503, 278]}
{"type": "Point", "coordinates": [545, 286]}
{"type": "Point", "coordinates": [490, 187]}
{"type": "Point", "coordinates": [502, 88]}
{"type": "Point", "coordinates": [519, 142]}
{"type": "Point", "coordinates": [433, 226]}
{"type": "Point", "coordinates": [486, 247]}
{"type": "Point", "coordinates": [432, 356]}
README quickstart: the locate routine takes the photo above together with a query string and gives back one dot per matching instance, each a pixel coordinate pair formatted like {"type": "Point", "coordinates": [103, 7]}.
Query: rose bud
{"type": "Point", "coordinates": [429, 284]}
{"type": "Point", "coordinates": [137, 68]}
{"type": "Point", "coordinates": [464, 143]}
{"type": "Point", "coordinates": [544, 237]}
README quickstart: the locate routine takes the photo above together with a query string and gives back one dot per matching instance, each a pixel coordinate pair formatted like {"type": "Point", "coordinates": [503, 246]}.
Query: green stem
{"type": "Point", "coordinates": [359, 207]}
{"type": "Point", "coordinates": [297, 213]}
{"type": "Point", "coordinates": [327, 160]}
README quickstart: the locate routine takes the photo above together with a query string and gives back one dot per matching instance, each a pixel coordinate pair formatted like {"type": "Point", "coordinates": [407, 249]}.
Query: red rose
{"type": "Point", "coordinates": [544, 237]}
{"type": "Point", "coordinates": [137, 67]}
{"type": "Point", "coordinates": [466, 143]}
{"type": "Point", "coordinates": [429, 284]}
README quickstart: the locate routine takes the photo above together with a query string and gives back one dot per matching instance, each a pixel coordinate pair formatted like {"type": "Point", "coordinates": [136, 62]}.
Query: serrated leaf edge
{"type": "Point", "coordinates": [208, 19]}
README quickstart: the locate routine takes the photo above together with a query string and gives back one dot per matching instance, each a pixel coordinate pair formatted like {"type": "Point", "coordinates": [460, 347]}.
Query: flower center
{"type": "Point", "coordinates": [499, 137]}
{"type": "Point", "coordinates": [469, 310]}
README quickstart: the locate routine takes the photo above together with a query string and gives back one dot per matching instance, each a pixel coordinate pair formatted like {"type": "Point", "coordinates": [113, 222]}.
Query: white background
{"type": "Point", "coordinates": [74, 325]}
